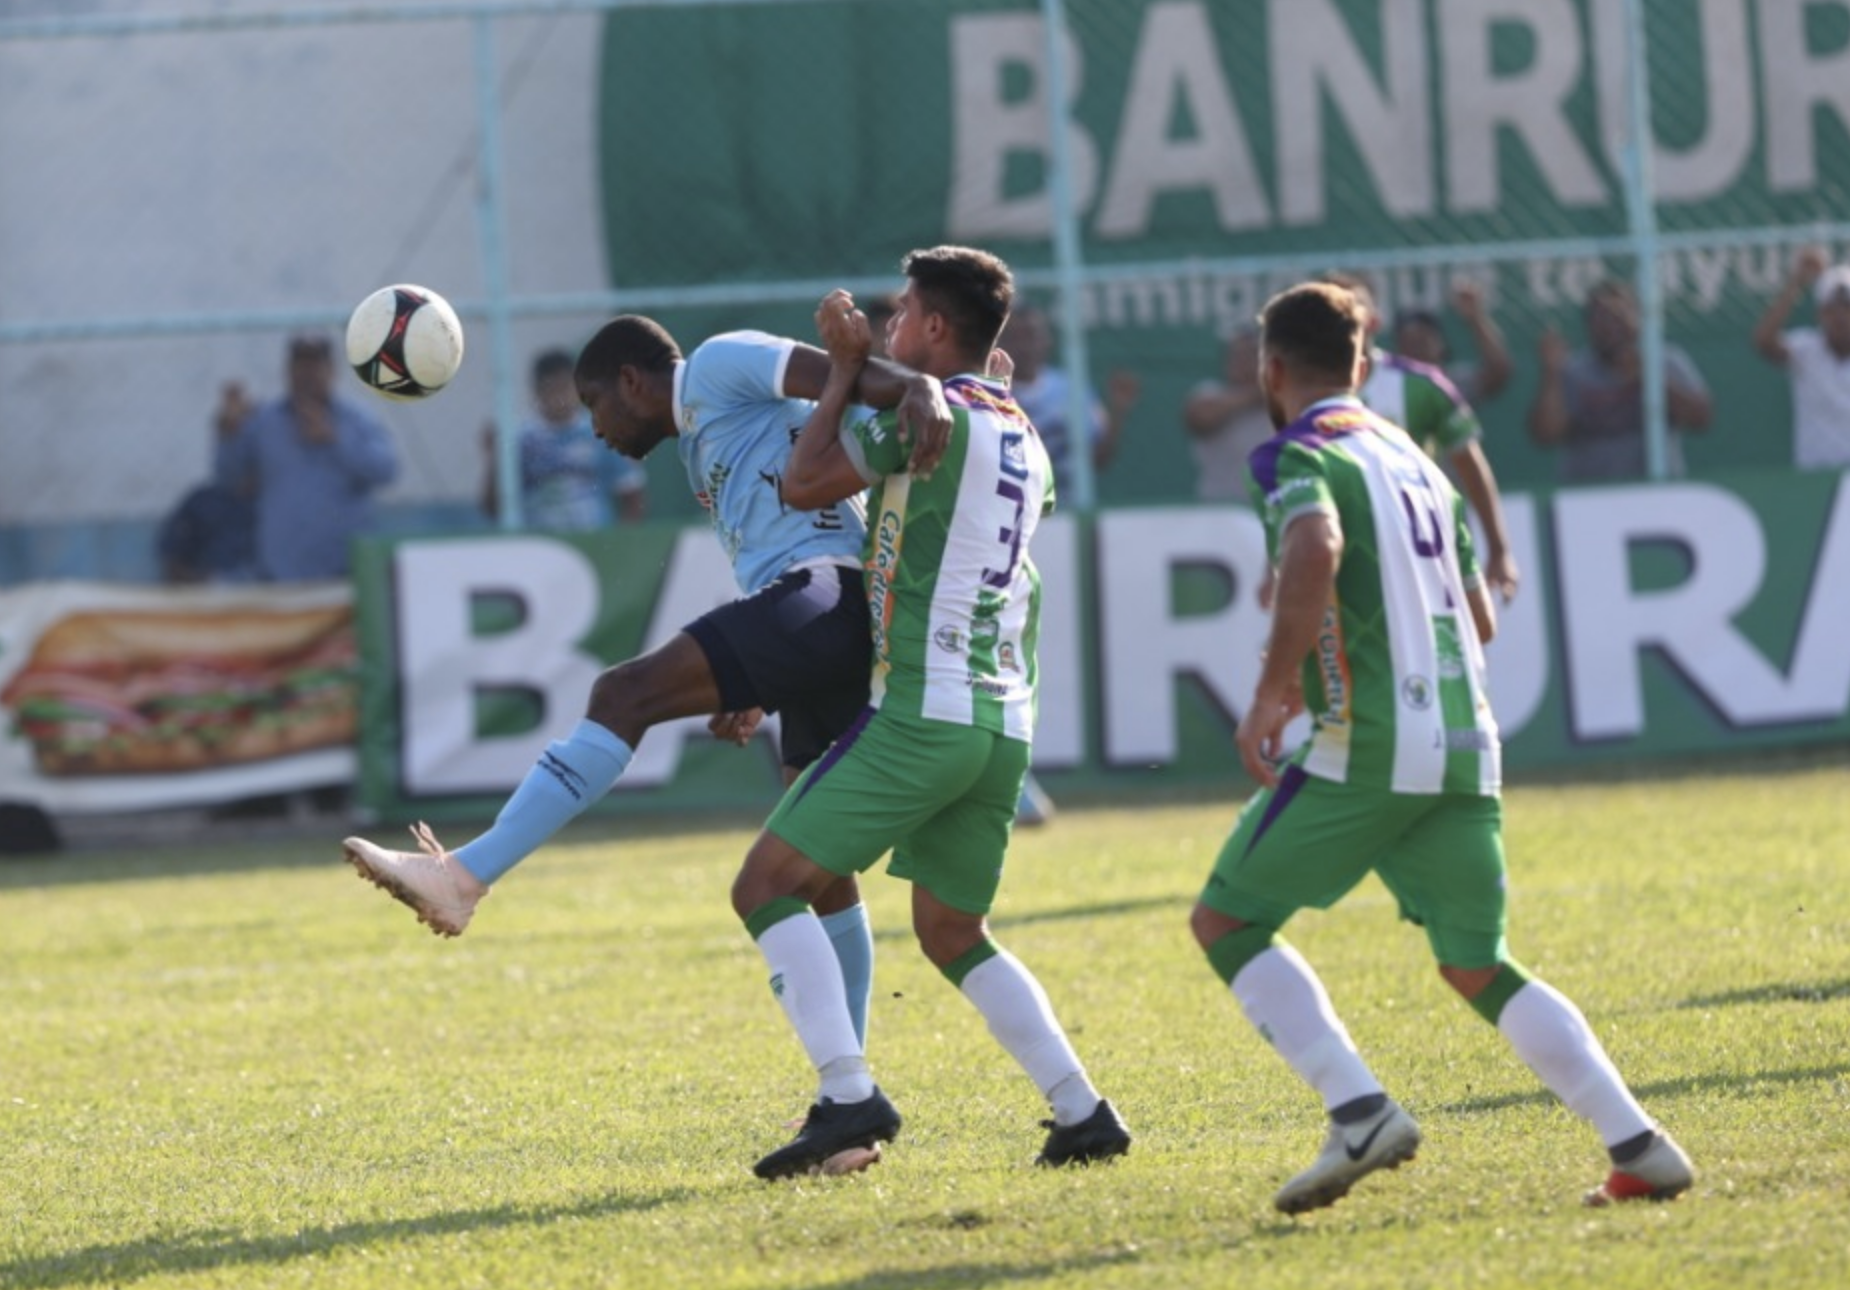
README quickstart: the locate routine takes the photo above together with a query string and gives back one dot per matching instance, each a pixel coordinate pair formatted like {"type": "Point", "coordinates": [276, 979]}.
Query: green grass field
{"type": "Point", "coordinates": [241, 1066]}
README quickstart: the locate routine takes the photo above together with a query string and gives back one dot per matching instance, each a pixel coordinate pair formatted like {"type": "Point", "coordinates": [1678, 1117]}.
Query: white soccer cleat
{"type": "Point", "coordinates": [1663, 1172]}
{"type": "Point", "coordinates": [428, 880]}
{"type": "Point", "coordinates": [1386, 1140]}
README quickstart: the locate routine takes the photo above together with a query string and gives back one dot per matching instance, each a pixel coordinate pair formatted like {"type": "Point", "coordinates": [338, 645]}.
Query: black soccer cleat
{"type": "Point", "coordinates": [1099, 1136]}
{"type": "Point", "coordinates": [832, 1127]}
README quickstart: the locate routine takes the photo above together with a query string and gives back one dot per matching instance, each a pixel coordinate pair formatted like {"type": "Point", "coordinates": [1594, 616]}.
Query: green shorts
{"type": "Point", "coordinates": [1309, 841]}
{"type": "Point", "coordinates": [940, 796]}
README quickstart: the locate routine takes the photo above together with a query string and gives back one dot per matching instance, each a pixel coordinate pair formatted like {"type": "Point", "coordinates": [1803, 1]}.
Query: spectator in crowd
{"type": "Point", "coordinates": [310, 463]}
{"type": "Point", "coordinates": [1816, 359]}
{"type": "Point", "coordinates": [1042, 391]}
{"type": "Point", "coordinates": [1419, 334]}
{"type": "Point", "coordinates": [880, 310]}
{"type": "Point", "coordinates": [1590, 403]}
{"type": "Point", "coordinates": [209, 536]}
{"type": "Point", "coordinates": [570, 481]}
{"type": "Point", "coordinates": [1226, 419]}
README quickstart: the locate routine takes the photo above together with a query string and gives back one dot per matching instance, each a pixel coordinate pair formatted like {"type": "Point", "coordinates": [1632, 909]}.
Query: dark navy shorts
{"type": "Point", "coordinates": [799, 648]}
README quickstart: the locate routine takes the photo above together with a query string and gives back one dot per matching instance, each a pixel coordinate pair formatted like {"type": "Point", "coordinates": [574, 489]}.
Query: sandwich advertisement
{"type": "Point", "coordinates": [121, 698]}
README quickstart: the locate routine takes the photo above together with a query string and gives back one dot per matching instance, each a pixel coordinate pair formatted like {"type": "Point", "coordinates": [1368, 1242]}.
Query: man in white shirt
{"type": "Point", "coordinates": [1817, 359]}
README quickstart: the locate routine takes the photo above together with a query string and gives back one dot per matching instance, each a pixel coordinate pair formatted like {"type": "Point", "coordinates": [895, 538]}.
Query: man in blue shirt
{"type": "Point", "coordinates": [795, 643]}
{"type": "Point", "coordinates": [310, 463]}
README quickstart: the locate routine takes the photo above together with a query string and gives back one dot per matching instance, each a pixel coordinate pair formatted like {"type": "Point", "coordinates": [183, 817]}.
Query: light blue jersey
{"type": "Point", "coordinates": [736, 428]}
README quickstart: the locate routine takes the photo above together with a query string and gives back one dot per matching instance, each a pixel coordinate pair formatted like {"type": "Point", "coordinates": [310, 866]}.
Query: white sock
{"type": "Point", "coordinates": [1022, 1020]}
{"type": "Point", "coordinates": [1552, 1037]}
{"type": "Point", "coordinates": [1283, 998]}
{"type": "Point", "coordinates": [807, 980]}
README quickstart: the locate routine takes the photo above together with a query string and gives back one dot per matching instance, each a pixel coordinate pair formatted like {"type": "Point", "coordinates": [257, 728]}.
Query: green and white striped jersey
{"type": "Point", "coordinates": [955, 600]}
{"type": "Point", "coordinates": [1420, 399]}
{"type": "Point", "coordinates": [1395, 686]}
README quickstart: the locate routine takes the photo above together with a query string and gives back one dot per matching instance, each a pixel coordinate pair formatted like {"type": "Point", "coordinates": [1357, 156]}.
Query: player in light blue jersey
{"type": "Point", "coordinates": [1380, 616]}
{"type": "Point", "coordinates": [795, 643]}
{"type": "Point", "coordinates": [734, 442]}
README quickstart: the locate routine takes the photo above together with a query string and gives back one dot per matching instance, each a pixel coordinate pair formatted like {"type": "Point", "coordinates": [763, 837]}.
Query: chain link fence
{"type": "Point", "coordinates": [186, 188]}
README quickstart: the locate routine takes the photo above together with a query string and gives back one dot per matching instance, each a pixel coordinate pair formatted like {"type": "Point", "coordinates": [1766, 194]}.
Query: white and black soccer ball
{"type": "Point", "coordinates": [405, 341]}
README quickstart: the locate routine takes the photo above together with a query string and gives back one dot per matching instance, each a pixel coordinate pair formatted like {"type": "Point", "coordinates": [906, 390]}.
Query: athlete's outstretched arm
{"type": "Point", "coordinates": [1479, 484]}
{"type": "Point", "coordinates": [1483, 611]}
{"type": "Point", "coordinates": [924, 416]}
{"type": "Point", "coordinates": [820, 471]}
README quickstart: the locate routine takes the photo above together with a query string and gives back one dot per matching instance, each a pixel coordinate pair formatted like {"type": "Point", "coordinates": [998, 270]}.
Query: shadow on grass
{"type": "Point", "coordinates": [1666, 1088]}
{"type": "Point", "coordinates": [983, 1274]}
{"type": "Point", "coordinates": [129, 1261]}
{"type": "Point", "coordinates": [1777, 992]}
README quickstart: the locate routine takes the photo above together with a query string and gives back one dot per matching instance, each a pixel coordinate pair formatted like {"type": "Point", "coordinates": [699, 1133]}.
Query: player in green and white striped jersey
{"type": "Point", "coordinates": [1378, 622]}
{"type": "Point", "coordinates": [934, 768]}
{"type": "Point", "coordinates": [1422, 400]}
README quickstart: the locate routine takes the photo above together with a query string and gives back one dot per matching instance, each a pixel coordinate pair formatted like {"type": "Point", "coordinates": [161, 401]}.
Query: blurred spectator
{"type": "Point", "coordinates": [1590, 402]}
{"type": "Point", "coordinates": [1816, 359]}
{"type": "Point", "coordinates": [1226, 419]}
{"type": "Point", "coordinates": [880, 310]}
{"type": "Point", "coordinates": [1421, 400]}
{"type": "Point", "coordinates": [1420, 335]}
{"type": "Point", "coordinates": [1041, 390]}
{"type": "Point", "coordinates": [570, 480]}
{"type": "Point", "coordinates": [309, 461]}
{"type": "Point", "coordinates": [209, 536]}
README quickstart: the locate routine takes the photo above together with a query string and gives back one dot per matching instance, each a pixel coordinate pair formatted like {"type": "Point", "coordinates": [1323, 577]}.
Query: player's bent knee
{"type": "Point", "coordinates": [1209, 925]}
{"type": "Point", "coordinates": [615, 693]}
{"type": "Point", "coordinates": [944, 934]}
{"type": "Point", "coordinates": [1486, 989]}
{"type": "Point", "coordinates": [843, 893]}
{"type": "Point", "coordinates": [1229, 953]}
{"type": "Point", "coordinates": [643, 692]}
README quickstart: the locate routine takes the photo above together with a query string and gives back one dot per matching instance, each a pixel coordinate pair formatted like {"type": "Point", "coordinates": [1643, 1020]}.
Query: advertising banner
{"type": "Point", "coordinates": [122, 698]}
{"type": "Point", "coordinates": [1199, 132]}
{"type": "Point", "coordinates": [1656, 621]}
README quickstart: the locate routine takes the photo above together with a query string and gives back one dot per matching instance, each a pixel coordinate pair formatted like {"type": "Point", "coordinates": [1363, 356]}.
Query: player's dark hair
{"type": "Point", "coordinates": [971, 289]}
{"type": "Point", "coordinates": [1316, 329]}
{"type": "Point", "coordinates": [549, 363]}
{"type": "Point", "coordinates": [629, 340]}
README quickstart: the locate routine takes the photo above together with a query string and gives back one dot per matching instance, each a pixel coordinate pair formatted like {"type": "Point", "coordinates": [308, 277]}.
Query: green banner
{"type": "Point", "coordinates": [1658, 620]}
{"type": "Point", "coordinates": [818, 142]}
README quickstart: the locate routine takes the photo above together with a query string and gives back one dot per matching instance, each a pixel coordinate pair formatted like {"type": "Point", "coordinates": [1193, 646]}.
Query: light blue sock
{"type": "Point", "coordinates": [853, 938]}
{"type": "Point", "coordinates": [570, 775]}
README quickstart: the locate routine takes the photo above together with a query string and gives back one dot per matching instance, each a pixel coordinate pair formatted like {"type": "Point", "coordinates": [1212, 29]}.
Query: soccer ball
{"type": "Point", "coordinates": [405, 342]}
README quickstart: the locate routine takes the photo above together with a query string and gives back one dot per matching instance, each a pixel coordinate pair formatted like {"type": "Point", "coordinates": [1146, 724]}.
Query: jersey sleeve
{"type": "Point", "coordinates": [873, 445]}
{"type": "Point", "coordinates": [1287, 483]}
{"type": "Point", "coordinates": [738, 367]}
{"type": "Point", "coordinates": [1439, 412]}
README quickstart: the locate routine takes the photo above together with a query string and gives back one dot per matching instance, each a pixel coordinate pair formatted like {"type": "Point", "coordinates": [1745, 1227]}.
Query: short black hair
{"type": "Point", "coordinates": [551, 362]}
{"type": "Point", "coordinates": [1315, 328]}
{"type": "Point", "coordinates": [1418, 318]}
{"type": "Point", "coordinates": [628, 340]}
{"type": "Point", "coordinates": [971, 289]}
